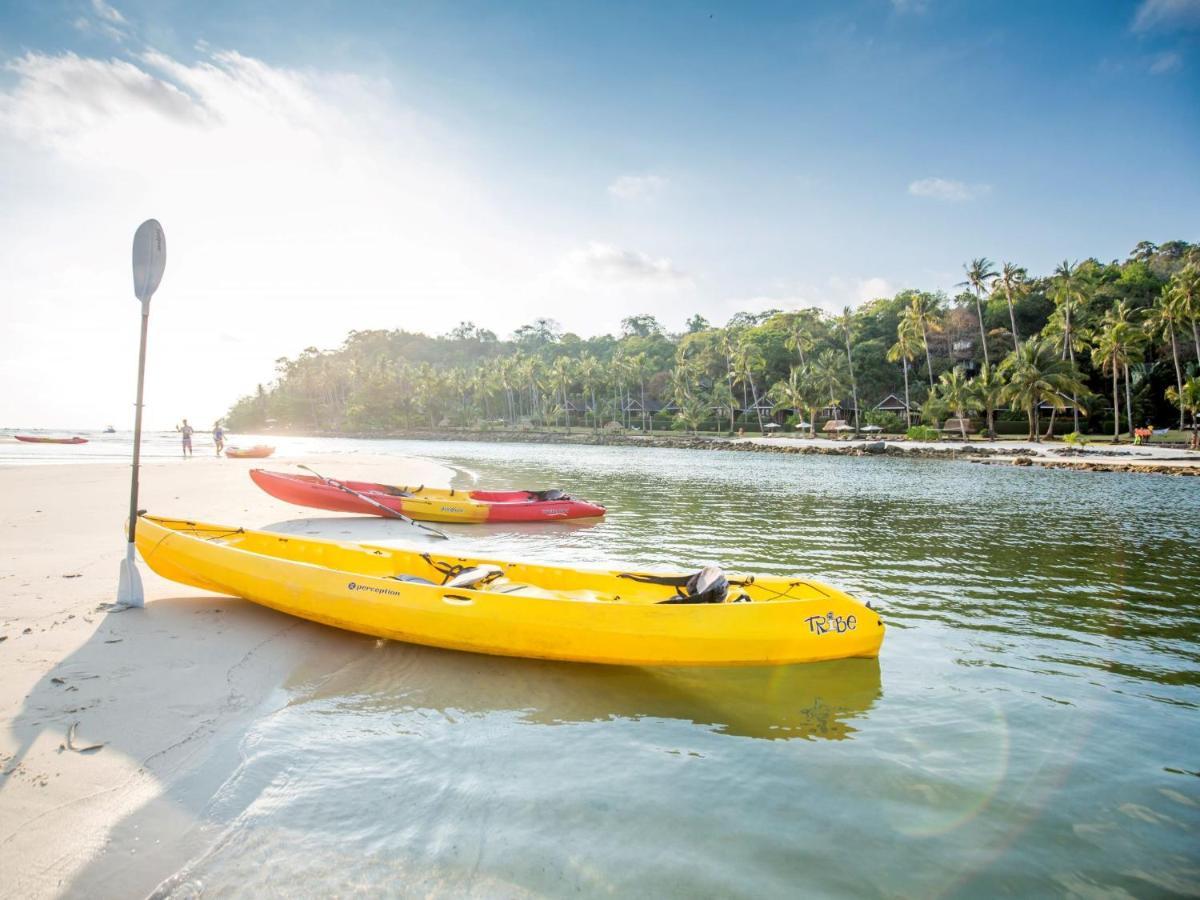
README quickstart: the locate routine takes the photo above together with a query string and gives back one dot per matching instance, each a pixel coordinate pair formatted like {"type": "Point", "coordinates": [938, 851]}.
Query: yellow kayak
{"type": "Point", "coordinates": [519, 609]}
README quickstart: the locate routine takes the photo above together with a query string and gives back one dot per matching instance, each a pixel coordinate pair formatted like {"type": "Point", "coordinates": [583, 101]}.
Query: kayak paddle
{"type": "Point", "coordinates": [387, 509]}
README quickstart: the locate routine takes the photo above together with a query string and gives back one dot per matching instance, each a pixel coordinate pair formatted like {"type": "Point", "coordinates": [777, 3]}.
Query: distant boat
{"type": "Point", "coordinates": [34, 439]}
{"type": "Point", "coordinates": [110, 430]}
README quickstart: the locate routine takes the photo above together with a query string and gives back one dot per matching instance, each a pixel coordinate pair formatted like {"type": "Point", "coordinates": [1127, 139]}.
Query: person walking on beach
{"type": "Point", "coordinates": [218, 437]}
{"type": "Point", "coordinates": [186, 431]}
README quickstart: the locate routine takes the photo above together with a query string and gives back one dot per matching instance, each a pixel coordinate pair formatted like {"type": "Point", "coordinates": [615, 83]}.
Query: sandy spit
{"type": "Point", "coordinates": [154, 686]}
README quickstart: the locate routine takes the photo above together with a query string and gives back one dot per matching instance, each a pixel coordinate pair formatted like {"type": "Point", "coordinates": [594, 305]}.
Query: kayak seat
{"type": "Point", "coordinates": [475, 577]}
{"type": "Point", "coordinates": [529, 590]}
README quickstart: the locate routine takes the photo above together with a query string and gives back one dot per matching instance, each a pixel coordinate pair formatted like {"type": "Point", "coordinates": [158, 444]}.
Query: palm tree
{"type": "Point", "coordinates": [1012, 279]}
{"type": "Point", "coordinates": [1037, 375]}
{"type": "Point", "coordinates": [957, 393]}
{"type": "Point", "coordinates": [802, 337]}
{"type": "Point", "coordinates": [1068, 297]}
{"type": "Point", "coordinates": [1133, 340]}
{"type": "Point", "coordinates": [638, 369]}
{"type": "Point", "coordinates": [746, 359]}
{"type": "Point", "coordinates": [1165, 320]}
{"type": "Point", "coordinates": [845, 320]}
{"type": "Point", "coordinates": [829, 376]}
{"type": "Point", "coordinates": [1110, 353]}
{"type": "Point", "coordinates": [618, 368]}
{"type": "Point", "coordinates": [1186, 287]}
{"type": "Point", "coordinates": [923, 316]}
{"type": "Point", "coordinates": [724, 400]}
{"type": "Point", "coordinates": [504, 377]}
{"type": "Point", "coordinates": [800, 393]}
{"type": "Point", "coordinates": [980, 274]}
{"type": "Point", "coordinates": [589, 377]}
{"type": "Point", "coordinates": [692, 412]}
{"type": "Point", "coordinates": [1187, 398]}
{"type": "Point", "coordinates": [989, 392]}
{"type": "Point", "coordinates": [562, 373]}
{"type": "Point", "coordinates": [908, 344]}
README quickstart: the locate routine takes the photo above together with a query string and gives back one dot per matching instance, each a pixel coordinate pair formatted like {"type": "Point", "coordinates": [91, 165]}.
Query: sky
{"type": "Point", "coordinates": [321, 167]}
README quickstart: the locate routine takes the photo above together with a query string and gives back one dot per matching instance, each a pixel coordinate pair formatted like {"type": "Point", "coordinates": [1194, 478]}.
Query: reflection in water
{"type": "Point", "coordinates": [820, 700]}
{"type": "Point", "coordinates": [1036, 735]}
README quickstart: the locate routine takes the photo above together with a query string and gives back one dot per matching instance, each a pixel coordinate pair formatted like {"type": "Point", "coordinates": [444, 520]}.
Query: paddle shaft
{"type": "Point", "coordinates": [137, 423]}
{"type": "Point", "coordinates": [387, 509]}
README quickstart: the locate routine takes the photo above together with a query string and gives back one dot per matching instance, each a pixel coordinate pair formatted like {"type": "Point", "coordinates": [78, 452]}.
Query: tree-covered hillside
{"type": "Point", "coordinates": [1079, 343]}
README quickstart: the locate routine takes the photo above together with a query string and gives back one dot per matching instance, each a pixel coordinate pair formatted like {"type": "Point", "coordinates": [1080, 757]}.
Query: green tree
{"type": "Point", "coordinates": [1069, 296]}
{"type": "Point", "coordinates": [1012, 279]}
{"type": "Point", "coordinates": [1166, 321]}
{"type": "Point", "coordinates": [980, 275]}
{"type": "Point", "coordinates": [845, 322]}
{"type": "Point", "coordinates": [748, 359]}
{"type": "Point", "coordinates": [924, 316]}
{"type": "Point", "coordinates": [988, 386]}
{"type": "Point", "coordinates": [905, 350]}
{"type": "Point", "coordinates": [830, 376]}
{"type": "Point", "coordinates": [1036, 375]}
{"type": "Point", "coordinates": [1187, 398]}
{"type": "Point", "coordinates": [955, 390]}
{"type": "Point", "coordinates": [802, 393]}
{"type": "Point", "coordinates": [802, 336]}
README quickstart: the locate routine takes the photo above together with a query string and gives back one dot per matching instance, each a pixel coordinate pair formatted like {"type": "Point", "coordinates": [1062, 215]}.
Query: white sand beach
{"type": "Point", "coordinates": [153, 685]}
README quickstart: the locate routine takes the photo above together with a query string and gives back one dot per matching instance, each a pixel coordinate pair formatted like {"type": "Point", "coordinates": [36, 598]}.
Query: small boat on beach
{"type": "Point", "coordinates": [258, 451]}
{"type": "Point", "coordinates": [37, 439]}
{"type": "Point", "coordinates": [507, 608]}
{"type": "Point", "coordinates": [422, 503]}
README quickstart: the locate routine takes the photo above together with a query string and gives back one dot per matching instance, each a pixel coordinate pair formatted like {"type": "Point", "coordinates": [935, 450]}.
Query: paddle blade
{"type": "Point", "coordinates": [129, 585]}
{"type": "Point", "coordinates": [149, 258]}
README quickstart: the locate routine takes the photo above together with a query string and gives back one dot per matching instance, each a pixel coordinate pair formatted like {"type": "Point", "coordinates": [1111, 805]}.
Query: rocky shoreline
{"type": "Point", "coordinates": [1065, 458]}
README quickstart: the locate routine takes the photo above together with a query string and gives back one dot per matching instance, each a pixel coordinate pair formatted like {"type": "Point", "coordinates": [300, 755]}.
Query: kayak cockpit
{"type": "Point", "coordinates": [497, 576]}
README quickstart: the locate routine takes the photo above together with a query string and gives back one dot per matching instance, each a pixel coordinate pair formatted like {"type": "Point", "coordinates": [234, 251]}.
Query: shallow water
{"type": "Point", "coordinates": [1031, 727]}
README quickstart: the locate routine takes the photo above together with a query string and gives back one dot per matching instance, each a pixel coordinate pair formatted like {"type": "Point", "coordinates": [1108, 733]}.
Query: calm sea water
{"type": "Point", "coordinates": [1031, 727]}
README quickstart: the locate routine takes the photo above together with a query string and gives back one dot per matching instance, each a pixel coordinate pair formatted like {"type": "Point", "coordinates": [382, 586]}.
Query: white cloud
{"type": "Point", "coordinates": [1166, 15]}
{"type": "Point", "coordinates": [637, 187]}
{"type": "Point", "coordinates": [836, 294]}
{"type": "Point", "coordinates": [104, 11]}
{"type": "Point", "coordinates": [948, 189]}
{"type": "Point", "coordinates": [607, 263]}
{"type": "Point", "coordinates": [1165, 62]}
{"type": "Point", "coordinates": [106, 20]}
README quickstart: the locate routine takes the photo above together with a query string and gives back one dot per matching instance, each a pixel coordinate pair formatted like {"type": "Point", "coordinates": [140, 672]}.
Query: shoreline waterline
{"type": "Point", "coordinates": [1094, 457]}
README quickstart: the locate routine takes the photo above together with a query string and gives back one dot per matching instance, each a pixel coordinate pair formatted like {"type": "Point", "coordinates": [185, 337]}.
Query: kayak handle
{"type": "Point", "coordinates": [457, 600]}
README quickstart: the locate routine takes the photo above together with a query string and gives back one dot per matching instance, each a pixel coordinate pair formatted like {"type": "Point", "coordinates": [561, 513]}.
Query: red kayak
{"type": "Point", "coordinates": [423, 503]}
{"type": "Point", "coordinates": [259, 451]}
{"type": "Point", "coordinates": [34, 439]}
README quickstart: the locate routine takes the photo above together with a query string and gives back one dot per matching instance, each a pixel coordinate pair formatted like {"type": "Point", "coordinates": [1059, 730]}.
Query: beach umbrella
{"type": "Point", "coordinates": [771, 425]}
{"type": "Point", "coordinates": [871, 428]}
{"type": "Point", "coordinates": [149, 260]}
{"type": "Point", "coordinates": [844, 428]}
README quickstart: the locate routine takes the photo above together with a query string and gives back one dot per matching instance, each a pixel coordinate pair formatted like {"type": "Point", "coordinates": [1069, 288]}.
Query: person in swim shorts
{"type": "Point", "coordinates": [186, 431]}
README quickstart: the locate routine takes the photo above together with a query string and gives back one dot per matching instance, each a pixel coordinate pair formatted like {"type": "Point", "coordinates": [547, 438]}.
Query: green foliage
{"type": "Point", "coordinates": [922, 433]}
{"type": "Point", "coordinates": [1133, 321]}
{"type": "Point", "coordinates": [888, 421]}
{"type": "Point", "coordinates": [1075, 439]}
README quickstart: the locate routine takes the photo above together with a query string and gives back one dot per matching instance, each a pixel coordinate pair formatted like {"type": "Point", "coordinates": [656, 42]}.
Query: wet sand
{"type": "Point", "coordinates": [156, 686]}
